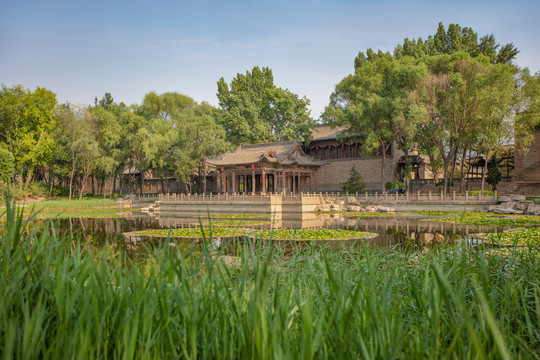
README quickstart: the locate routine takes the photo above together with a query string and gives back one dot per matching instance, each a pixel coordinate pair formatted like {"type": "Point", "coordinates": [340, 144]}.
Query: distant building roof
{"type": "Point", "coordinates": [324, 132]}
{"type": "Point", "coordinates": [283, 153]}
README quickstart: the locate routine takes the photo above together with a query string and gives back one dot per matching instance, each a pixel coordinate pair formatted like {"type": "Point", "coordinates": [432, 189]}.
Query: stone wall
{"type": "Point", "coordinates": [330, 177]}
{"type": "Point", "coordinates": [527, 165]}
{"type": "Point", "coordinates": [505, 187]}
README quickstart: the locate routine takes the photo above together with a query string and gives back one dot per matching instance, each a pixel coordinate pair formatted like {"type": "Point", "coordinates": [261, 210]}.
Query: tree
{"type": "Point", "coordinates": [494, 174]}
{"type": "Point", "coordinates": [456, 39]}
{"type": "Point", "coordinates": [459, 100]}
{"type": "Point", "coordinates": [7, 165]}
{"type": "Point", "coordinates": [373, 102]}
{"type": "Point", "coordinates": [109, 135]}
{"type": "Point", "coordinates": [26, 124]}
{"type": "Point", "coordinates": [355, 183]}
{"type": "Point", "coordinates": [78, 145]}
{"type": "Point", "coordinates": [497, 97]}
{"type": "Point", "coordinates": [253, 110]}
{"type": "Point", "coordinates": [527, 109]}
{"type": "Point", "coordinates": [199, 138]}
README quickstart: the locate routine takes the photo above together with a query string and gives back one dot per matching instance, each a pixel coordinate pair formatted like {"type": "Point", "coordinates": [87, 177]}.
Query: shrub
{"type": "Point", "coordinates": [7, 165]}
{"type": "Point", "coordinates": [391, 185]}
{"type": "Point", "coordinates": [355, 183]}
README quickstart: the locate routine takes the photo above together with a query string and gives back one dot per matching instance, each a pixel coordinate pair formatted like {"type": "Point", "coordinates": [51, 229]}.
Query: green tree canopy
{"type": "Point", "coordinates": [253, 110]}
{"type": "Point", "coordinates": [457, 39]}
{"type": "Point", "coordinates": [373, 102]}
{"type": "Point", "coordinates": [26, 124]}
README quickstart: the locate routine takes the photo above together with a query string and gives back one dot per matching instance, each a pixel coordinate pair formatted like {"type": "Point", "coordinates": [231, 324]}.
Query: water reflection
{"type": "Point", "coordinates": [413, 232]}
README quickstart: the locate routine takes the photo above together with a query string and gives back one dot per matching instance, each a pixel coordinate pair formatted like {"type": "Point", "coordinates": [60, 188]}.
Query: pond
{"type": "Point", "coordinates": [390, 230]}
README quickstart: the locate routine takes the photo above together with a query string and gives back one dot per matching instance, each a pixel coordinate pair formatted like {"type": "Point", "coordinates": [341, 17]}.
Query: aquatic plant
{"type": "Point", "coordinates": [61, 298]}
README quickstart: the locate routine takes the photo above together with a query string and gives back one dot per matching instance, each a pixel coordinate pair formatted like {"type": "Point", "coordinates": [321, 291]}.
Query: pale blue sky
{"type": "Point", "coordinates": [82, 49]}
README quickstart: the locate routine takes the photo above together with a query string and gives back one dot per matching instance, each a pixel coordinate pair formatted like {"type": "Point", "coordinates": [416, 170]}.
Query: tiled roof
{"type": "Point", "coordinates": [326, 132]}
{"type": "Point", "coordinates": [285, 153]}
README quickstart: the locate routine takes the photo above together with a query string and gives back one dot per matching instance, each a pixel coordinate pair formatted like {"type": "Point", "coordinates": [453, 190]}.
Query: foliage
{"type": "Point", "coordinates": [26, 123]}
{"type": "Point", "coordinates": [254, 110]}
{"type": "Point", "coordinates": [7, 165]}
{"type": "Point", "coordinates": [355, 183]}
{"type": "Point", "coordinates": [373, 102]}
{"type": "Point", "coordinates": [457, 39]}
{"type": "Point", "coordinates": [391, 185]}
{"type": "Point", "coordinates": [311, 234]}
{"type": "Point", "coordinates": [315, 302]}
{"type": "Point", "coordinates": [521, 237]}
{"type": "Point", "coordinates": [494, 176]}
{"type": "Point", "coordinates": [487, 219]}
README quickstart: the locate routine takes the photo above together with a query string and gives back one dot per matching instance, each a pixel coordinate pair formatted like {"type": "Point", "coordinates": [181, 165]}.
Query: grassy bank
{"type": "Point", "coordinates": [60, 298]}
{"type": "Point", "coordinates": [63, 208]}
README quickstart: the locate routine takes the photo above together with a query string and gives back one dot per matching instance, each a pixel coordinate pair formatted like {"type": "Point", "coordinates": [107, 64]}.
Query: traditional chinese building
{"type": "Point", "coordinates": [274, 167]}
{"type": "Point", "coordinates": [342, 153]}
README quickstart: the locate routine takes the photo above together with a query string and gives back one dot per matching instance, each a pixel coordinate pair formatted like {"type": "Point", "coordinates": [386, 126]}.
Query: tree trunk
{"type": "Point", "coordinates": [461, 186]}
{"type": "Point", "coordinates": [85, 177]}
{"type": "Point", "coordinates": [484, 172]}
{"type": "Point", "coordinates": [71, 181]}
{"type": "Point", "coordinates": [113, 186]}
{"type": "Point", "coordinates": [29, 177]}
{"type": "Point", "coordinates": [383, 160]}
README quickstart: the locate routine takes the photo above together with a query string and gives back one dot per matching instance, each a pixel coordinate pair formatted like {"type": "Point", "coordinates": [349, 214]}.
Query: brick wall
{"type": "Point", "coordinates": [331, 176]}
{"type": "Point", "coordinates": [527, 166]}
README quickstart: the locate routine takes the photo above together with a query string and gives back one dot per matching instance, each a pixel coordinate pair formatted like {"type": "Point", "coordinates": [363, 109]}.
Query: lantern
{"type": "Point", "coordinates": [329, 146]}
{"type": "Point", "coordinates": [356, 144]}
{"type": "Point", "coordinates": [252, 167]}
{"type": "Point", "coordinates": [222, 169]}
{"type": "Point", "coordinates": [342, 146]}
{"type": "Point", "coordinates": [316, 148]}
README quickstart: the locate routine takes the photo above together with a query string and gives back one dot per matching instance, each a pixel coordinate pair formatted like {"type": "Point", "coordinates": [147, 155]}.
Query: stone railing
{"type": "Point", "coordinates": [366, 198]}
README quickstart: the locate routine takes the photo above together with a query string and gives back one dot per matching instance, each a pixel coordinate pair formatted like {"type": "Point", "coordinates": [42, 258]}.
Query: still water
{"type": "Point", "coordinates": [411, 231]}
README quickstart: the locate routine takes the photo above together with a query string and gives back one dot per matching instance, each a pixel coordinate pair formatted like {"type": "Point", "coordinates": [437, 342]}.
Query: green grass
{"type": "Point", "coordinates": [361, 214]}
{"type": "Point", "coordinates": [238, 216]}
{"type": "Point", "coordinates": [61, 298]}
{"type": "Point", "coordinates": [520, 237]}
{"type": "Point", "coordinates": [489, 219]}
{"type": "Point", "coordinates": [234, 223]}
{"type": "Point", "coordinates": [311, 234]}
{"type": "Point", "coordinates": [62, 208]}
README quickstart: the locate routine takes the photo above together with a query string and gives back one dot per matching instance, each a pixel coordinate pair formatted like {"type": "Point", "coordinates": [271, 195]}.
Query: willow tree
{"type": "Point", "coordinates": [468, 103]}
{"type": "Point", "coordinates": [374, 103]}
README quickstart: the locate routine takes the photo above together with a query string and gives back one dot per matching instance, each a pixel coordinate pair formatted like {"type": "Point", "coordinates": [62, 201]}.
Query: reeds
{"type": "Point", "coordinates": [60, 298]}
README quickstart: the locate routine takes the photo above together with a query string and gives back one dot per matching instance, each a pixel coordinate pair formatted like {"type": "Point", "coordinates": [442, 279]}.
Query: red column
{"type": "Point", "coordinates": [234, 182]}
{"type": "Point", "coordinates": [293, 183]}
{"type": "Point", "coordinates": [253, 180]}
{"type": "Point", "coordinates": [263, 175]}
{"type": "Point", "coordinates": [224, 183]}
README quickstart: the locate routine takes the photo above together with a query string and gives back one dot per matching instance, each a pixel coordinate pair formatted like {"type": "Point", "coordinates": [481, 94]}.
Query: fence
{"type": "Point", "coordinates": [376, 198]}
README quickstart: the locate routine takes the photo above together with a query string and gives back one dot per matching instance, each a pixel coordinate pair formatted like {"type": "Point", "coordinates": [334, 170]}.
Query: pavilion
{"type": "Point", "coordinates": [280, 167]}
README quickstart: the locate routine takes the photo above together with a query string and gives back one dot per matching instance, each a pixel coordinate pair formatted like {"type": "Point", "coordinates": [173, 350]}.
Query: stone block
{"type": "Point", "coordinates": [354, 208]}
{"type": "Point", "coordinates": [503, 199]}
{"type": "Point", "coordinates": [533, 209]}
{"type": "Point", "coordinates": [518, 197]}
{"type": "Point", "coordinates": [507, 211]}
{"type": "Point", "coordinates": [351, 200]}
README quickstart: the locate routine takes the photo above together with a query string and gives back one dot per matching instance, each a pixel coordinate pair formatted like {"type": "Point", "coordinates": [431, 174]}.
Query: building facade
{"type": "Point", "coordinates": [281, 167]}
{"type": "Point", "coordinates": [341, 154]}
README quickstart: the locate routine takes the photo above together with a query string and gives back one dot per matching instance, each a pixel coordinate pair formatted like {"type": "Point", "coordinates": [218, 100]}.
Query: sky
{"type": "Point", "coordinates": [83, 49]}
